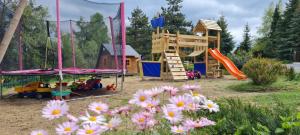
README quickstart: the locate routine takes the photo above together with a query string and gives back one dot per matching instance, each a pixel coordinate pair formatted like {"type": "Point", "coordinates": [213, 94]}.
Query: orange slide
{"type": "Point", "coordinates": [228, 64]}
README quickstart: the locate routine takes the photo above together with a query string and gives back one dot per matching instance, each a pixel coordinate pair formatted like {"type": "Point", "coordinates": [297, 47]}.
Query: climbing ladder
{"type": "Point", "coordinates": [175, 65]}
{"type": "Point", "coordinates": [214, 70]}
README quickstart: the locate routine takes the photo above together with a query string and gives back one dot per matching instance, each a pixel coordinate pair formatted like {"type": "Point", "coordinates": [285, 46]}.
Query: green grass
{"type": "Point", "coordinates": [280, 85]}
{"type": "Point", "coordinates": [286, 98]}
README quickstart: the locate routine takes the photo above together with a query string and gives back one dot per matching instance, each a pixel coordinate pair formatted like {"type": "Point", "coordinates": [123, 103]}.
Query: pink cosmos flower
{"type": "Point", "coordinates": [151, 105]}
{"type": "Point", "coordinates": [121, 110]}
{"type": "Point", "coordinates": [188, 87]}
{"type": "Point", "coordinates": [189, 124]}
{"type": "Point", "coordinates": [89, 119]}
{"type": "Point", "coordinates": [140, 98]}
{"type": "Point", "coordinates": [113, 123]}
{"type": "Point", "coordinates": [203, 122]}
{"type": "Point", "coordinates": [72, 118]}
{"type": "Point", "coordinates": [39, 132]}
{"type": "Point", "coordinates": [178, 130]}
{"type": "Point", "coordinates": [171, 114]}
{"type": "Point", "coordinates": [154, 92]}
{"type": "Point", "coordinates": [66, 128]}
{"type": "Point", "coordinates": [179, 102]}
{"type": "Point", "coordinates": [92, 129]}
{"type": "Point", "coordinates": [211, 106]}
{"type": "Point", "coordinates": [55, 109]}
{"type": "Point", "coordinates": [169, 89]}
{"type": "Point", "coordinates": [98, 107]}
{"type": "Point", "coordinates": [143, 120]}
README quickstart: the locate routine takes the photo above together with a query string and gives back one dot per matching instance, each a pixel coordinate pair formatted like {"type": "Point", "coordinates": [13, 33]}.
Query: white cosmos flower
{"type": "Point", "coordinates": [211, 106]}
{"type": "Point", "coordinates": [88, 119]}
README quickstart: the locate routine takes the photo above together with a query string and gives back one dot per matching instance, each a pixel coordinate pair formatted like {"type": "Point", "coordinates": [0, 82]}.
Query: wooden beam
{"type": "Point", "coordinates": [12, 28]}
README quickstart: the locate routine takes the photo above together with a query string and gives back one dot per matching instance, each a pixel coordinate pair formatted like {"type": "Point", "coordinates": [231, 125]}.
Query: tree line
{"type": "Point", "coordinates": [32, 35]}
{"type": "Point", "coordinates": [278, 35]}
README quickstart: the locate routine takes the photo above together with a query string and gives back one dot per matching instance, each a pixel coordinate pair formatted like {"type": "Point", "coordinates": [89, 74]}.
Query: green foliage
{"type": "Point", "coordinates": [263, 71]}
{"type": "Point", "coordinates": [265, 27]}
{"type": "Point", "coordinates": [240, 118]}
{"type": "Point", "coordinates": [271, 43]}
{"type": "Point", "coordinates": [288, 27]}
{"type": "Point", "coordinates": [282, 84]}
{"type": "Point", "coordinates": [227, 43]}
{"type": "Point", "coordinates": [174, 19]}
{"type": "Point", "coordinates": [246, 43]}
{"type": "Point", "coordinates": [90, 37]}
{"type": "Point", "coordinates": [240, 58]}
{"type": "Point", "coordinates": [291, 74]}
{"type": "Point", "coordinates": [139, 33]}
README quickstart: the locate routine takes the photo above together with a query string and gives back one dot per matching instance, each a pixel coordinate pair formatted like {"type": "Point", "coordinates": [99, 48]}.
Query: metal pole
{"type": "Point", "coordinates": [1, 87]}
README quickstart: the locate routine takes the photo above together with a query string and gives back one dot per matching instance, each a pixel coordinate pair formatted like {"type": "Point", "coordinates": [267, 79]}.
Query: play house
{"type": "Point", "coordinates": [107, 59]}
{"type": "Point", "coordinates": [201, 48]}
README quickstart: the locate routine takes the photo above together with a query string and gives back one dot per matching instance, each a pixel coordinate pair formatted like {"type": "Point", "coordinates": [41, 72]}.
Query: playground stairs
{"type": "Point", "coordinates": [214, 70]}
{"type": "Point", "coordinates": [175, 65]}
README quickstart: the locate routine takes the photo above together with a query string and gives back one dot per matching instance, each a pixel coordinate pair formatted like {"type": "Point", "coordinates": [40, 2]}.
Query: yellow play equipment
{"type": "Point", "coordinates": [168, 50]}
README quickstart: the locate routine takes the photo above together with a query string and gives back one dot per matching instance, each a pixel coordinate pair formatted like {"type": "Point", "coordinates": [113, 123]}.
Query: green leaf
{"type": "Point", "coordinates": [298, 115]}
{"type": "Point", "coordinates": [279, 131]}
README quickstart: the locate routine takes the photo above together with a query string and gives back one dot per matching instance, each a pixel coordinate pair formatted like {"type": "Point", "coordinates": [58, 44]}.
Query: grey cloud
{"type": "Point", "coordinates": [237, 12]}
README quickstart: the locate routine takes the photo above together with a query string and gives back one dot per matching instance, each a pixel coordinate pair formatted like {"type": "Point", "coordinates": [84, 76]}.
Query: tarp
{"type": "Point", "coordinates": [151, 69]}
{"type": "Point", "coordinates": [200, 67]}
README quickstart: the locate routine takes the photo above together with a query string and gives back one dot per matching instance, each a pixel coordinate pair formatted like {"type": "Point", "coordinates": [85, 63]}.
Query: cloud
{"type": "Point", "coordinates": [237, 12]}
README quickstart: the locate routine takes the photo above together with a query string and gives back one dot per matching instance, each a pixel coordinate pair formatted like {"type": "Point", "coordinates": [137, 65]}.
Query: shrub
{"type": "Point", "coordinates": [241, 118]}
{"type": "Point", "coordinates": [291, 74]}
{"type": "Point", "coordinates": [263, 71]}
{"type": "Point", "coordinates": [240, 58]}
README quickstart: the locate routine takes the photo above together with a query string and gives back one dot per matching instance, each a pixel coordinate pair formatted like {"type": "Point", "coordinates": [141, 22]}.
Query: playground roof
{"type": "Point", "coordinates": [207, 24]}
{"type": "Point", "coordinates": [129, 50]}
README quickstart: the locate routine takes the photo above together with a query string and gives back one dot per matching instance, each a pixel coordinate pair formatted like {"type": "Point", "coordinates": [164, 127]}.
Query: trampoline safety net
{"type": "Point", "coordinates": [91, 39]}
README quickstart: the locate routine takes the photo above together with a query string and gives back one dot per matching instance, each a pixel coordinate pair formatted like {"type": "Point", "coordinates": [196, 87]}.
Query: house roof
{"type": "Point", "coordinates": [129, 50]}
{"type": "Point", "coordinates": [207, 24]}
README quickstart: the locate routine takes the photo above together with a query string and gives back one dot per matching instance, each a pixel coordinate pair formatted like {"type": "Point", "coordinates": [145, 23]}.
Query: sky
{"type": "Point", "coordinates": [237, 12]}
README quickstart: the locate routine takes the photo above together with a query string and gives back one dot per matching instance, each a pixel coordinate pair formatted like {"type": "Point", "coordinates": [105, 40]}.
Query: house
{"type": "Point", "coordinates": [107, 58]}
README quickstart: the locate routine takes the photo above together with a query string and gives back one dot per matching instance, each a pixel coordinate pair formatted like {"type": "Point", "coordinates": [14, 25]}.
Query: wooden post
{"type": "Point", "coordinates": [11, 29]}
{"type": "Point", "coordinates": [177, 42]}
{"type": "Point", "coordinates": [141, 70]}
{"type": "Point", "coordinates": [1, 87]}
{"type": "Point", "coordinates": [219, 47]}
{"type": "Point", "coordinates": [206, 52]}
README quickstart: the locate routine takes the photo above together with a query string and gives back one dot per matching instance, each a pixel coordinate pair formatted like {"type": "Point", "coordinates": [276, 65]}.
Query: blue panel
{"type": "Point", "coordinates": [159, 22]}
{"type": "Point", "coordinates": [200, 67]}
{"type": "Point", "coordinates": [151, 69]}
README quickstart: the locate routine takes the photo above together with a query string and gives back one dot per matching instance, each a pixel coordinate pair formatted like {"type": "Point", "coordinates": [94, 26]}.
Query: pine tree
{"type": "Point", "coordinates": [227, 43]}
{"type": "Point", "coordinates": [294, 37]}
{"type": "Point", "coordinates": [246, 43]}
{"type": "Point", "coordinates": [174, 19]}
{"type": "Point", "coordinates": [285, 46]}
{"type": "Point", "coordinates": [139, 33]}
{"type": "Point", "coordinates": [271, 46]}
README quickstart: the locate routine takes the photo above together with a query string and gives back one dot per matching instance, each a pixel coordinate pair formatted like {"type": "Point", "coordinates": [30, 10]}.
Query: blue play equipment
{"type": "Point", "coordinates": [201, 67]}
{"type": "Point", "coordinates": [151, 69]}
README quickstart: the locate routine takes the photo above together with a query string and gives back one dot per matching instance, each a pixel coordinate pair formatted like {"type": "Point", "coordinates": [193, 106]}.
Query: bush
{"type": "Point", "coordinates": [263, 71]}
{"type": "Point", "coordinates": [240, 58]}
{"type": "Point", "coordinates": [240, 118]}
{"type": "Point", "coordinates": [291, 74]}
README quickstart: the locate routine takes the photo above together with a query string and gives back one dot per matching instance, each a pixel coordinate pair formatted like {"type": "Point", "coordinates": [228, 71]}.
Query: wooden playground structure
{"type": "Point", "coordinates": [169, 49]}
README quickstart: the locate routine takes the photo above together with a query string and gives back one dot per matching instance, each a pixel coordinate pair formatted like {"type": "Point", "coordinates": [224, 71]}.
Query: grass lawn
{"type": "Point", "coordinates": [282, 91]}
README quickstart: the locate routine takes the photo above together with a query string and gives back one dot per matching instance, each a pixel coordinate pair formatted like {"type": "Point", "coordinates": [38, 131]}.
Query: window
{"type": "Point", "coordinates": [127, 62]}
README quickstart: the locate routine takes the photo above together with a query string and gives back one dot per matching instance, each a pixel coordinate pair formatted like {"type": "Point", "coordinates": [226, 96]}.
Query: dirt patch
{"type": "Point", "coordinates": [21, 116]}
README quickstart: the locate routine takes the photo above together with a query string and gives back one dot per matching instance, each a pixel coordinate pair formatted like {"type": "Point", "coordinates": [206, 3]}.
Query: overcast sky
{"type": "Point", "coordinates": [237, 12]}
